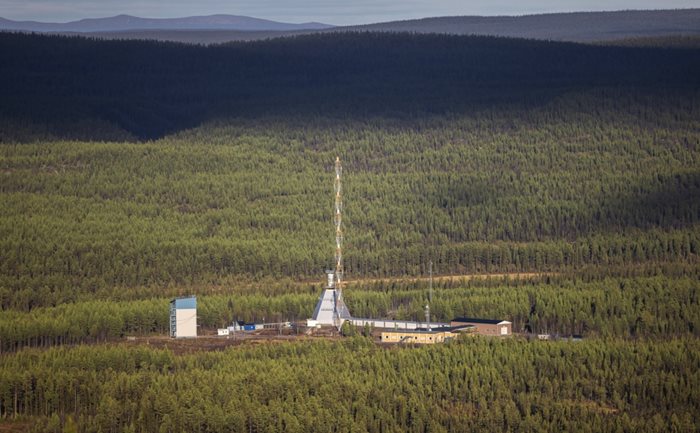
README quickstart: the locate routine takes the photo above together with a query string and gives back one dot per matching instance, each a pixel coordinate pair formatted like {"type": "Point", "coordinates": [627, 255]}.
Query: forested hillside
{"type": "Point", "coordinates": [588, 179]}
{"type": "Point", "coordinates": [576, 26]}
{"type": "Point", "coordinates": [81, 88]}
{"type": "Point", "coordinates": [132, 172]}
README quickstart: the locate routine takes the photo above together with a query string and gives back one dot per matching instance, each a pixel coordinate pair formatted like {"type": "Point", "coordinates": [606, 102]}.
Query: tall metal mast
{"type": "Point", "coordinates": [338, 236]}
{"type": "Point", "coordinates": [430, 293]}
{"type": "Point", "coordinates": [430, 297]}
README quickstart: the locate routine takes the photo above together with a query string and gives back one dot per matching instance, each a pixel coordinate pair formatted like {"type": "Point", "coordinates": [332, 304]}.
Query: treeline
{"type": "Point", "coordinates": [147, 89]}
{"type": "Point", "coordinates": [679, 41]}
{"type": "Point", "coordinates": [473, 385]}
{"type": "Point", "coordinates": [650, 307]}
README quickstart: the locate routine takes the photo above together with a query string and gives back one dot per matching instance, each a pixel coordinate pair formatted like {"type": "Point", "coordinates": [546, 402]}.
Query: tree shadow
{"type": "Point", "coordinates": [148, 89]}
{"type": "Point", "coordinates": [664, 201]}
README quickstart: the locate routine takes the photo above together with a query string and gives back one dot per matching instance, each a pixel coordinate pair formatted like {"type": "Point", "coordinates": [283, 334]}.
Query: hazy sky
{"type": "Point", "coordinates": [327, 11]}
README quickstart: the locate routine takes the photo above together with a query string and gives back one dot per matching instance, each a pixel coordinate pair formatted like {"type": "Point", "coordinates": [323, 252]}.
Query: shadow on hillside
{"type": "Point", "coordinates": [120, 121]}
{"type": "Point", "coordinates": [670, 201]}
{"type": "Point", "coordinates": [666, 201]}
{"type": "Point", "coordinates": [147, 89]}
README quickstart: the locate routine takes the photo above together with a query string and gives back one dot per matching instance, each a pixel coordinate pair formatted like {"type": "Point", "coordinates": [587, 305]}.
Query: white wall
{"type": "Point", "coordinates": [186, 323]}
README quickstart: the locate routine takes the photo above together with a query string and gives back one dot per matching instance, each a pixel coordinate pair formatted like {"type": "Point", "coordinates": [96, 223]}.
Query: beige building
{"type": "Point", "coordinates": [490, 327]}
{"type": "Point", "coordinates": [423, 336]}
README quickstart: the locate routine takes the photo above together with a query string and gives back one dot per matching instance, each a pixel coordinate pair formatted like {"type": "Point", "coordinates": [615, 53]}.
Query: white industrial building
{"type": "Point", "coordinates": [183, 317]}
{"type": "Point", "coordinates": [330, 308]}
{"type": "Point", "coordinates": [331, 311]}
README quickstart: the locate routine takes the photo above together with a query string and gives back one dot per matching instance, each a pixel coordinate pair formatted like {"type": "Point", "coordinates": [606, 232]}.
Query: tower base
{"type": "Point", "coordinates": [324, 313]}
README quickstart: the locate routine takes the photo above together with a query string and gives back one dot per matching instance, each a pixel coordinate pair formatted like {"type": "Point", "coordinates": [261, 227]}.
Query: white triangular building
{"type": "Point", "coordinates": [330, 310]}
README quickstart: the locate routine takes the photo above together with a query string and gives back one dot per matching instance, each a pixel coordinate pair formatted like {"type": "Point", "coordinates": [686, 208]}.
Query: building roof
{"type": "Point", "coordinates": [449, 328]}
{"type": "Point", "coordinates": [425, 331]}
{"type": "Point", "coordinates": [185, 303]}
{"type": "Point", "coordinates": [459, 328]}
{"type": "Point", "coordinates": [396, 323]}
{"type": "Point", "coordinates": [480, 321]}
{"type": "Point", "coordinates": [412, 331]}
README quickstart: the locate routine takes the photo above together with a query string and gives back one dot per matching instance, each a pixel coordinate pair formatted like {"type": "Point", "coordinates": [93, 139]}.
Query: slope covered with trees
{"type": "Point", "coordinates": [131, 172]}
{"type": "Point", "coordinates": [78, 87]}
{"type": "Point", "coordinates": [586, 180]}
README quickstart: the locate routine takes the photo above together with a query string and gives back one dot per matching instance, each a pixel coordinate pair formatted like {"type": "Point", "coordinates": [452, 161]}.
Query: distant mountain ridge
{"type": "Point", "coordinates": [214, 29]}
{"type": "Point", "coordinates": [573, 26]}
{"type": "Point", "coordinates": [121, 23]}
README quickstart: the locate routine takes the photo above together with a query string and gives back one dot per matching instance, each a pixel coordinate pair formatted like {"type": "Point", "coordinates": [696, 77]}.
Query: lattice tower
{"type": "Point", "coordinates": [338, 235]}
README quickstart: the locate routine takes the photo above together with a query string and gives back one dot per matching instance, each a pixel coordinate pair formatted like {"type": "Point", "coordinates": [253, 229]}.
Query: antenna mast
{"type": "Point", "coordinates": [430, 296]}
{"type": "Point", "coordinates": [430, 270]}
{"type": "Point", "coordinates": [338, 236]}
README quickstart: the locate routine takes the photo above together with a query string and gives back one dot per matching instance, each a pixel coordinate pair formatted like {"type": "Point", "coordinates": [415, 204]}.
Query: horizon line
{"type": "Point", "coordinates": [311, 21]}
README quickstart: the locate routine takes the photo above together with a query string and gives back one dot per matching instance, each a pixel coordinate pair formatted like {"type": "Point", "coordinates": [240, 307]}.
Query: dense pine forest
{"type": "Point", "coordinates": [132, 172]}
{"type": "Point", "coordinates": [566, 185]}
{"type": "Point", "coordinates": [353, 385]}
{"type": "Point", "coordinates": [73, 87]}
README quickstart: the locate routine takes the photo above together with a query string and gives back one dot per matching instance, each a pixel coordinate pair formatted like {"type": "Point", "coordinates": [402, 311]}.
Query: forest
{"type": "Point", "coordinates": [353, 385]}
{"type": "Point", "coordinates": [75, 87]}
{"type": "Point", "coordinates": [590, 180]}
{"type": "Point", "coordinates": [132, 172]}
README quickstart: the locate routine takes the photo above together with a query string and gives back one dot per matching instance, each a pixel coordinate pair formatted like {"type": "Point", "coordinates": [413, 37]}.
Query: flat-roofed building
{"type": "Point", "coordinates": [490, 327]}
{"type": "Point", "coordinates": [423, 336]}
{"type": "Point", "coordinates": [183, 317]}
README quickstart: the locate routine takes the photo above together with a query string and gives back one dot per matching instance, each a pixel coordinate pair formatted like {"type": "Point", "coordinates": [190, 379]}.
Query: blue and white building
{"type": "Point", "coordinates": [183, 317]}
